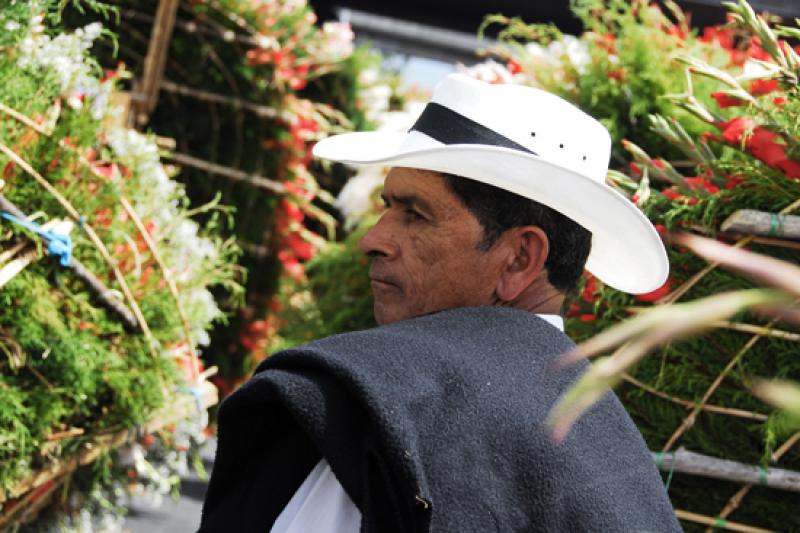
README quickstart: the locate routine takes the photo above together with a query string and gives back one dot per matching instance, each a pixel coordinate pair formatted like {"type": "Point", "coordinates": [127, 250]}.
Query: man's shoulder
{"type": "Point", "coordinates": [477, 327]}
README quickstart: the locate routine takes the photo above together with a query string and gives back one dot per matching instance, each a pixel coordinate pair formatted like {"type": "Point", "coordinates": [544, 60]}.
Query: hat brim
{"type": "Point", "coordinates": [627, 252]}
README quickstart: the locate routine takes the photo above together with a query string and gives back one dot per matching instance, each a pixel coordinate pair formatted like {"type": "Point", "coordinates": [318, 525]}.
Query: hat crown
{"type": "Point", "coordinates": [541, 122]}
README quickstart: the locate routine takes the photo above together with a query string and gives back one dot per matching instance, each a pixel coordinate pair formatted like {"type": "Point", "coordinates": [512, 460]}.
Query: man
{"type": "Point", "coordinates": [435, 420]}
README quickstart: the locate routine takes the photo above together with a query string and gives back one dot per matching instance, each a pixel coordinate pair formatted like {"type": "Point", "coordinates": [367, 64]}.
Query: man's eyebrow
{"type": "Point", "coordinates": [408, 200]}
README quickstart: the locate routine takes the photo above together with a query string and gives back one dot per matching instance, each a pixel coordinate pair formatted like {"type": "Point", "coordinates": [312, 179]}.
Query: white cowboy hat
{"type": "Point", "coordinates": [532, 143]}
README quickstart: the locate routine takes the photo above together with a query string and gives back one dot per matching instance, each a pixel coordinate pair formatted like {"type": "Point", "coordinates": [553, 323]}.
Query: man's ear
{"type": "Point", "coordinates": [527, 248]}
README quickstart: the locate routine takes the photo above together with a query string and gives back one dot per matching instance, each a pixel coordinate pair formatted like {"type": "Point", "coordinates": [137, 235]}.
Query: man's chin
{"type": "Point", "coordinates": [387, 314]}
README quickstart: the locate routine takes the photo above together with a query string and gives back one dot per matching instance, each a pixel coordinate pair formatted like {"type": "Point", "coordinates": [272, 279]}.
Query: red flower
{"type": "Point", "coordinates": [103, 217]}
{"type": "Point", "coordinates": [779, 101]}
{"type": "Point", "coordinates": [671, 193]}
{"type": "Point", "coordinates": [590, 289]}
{"type": "Point", "coordinates": [514, 67]}
{"type": "Point", "coordinates": [654, 296]}
{"type": "Point", "coordinates": [617, 74]}
{"type": "Point", "coordinates": [675, 196]}
{"type": "Point", "coordinates": [291, 265]}
{"type": "Point", "coordinates": [677, 32]}
{"type": "Point", "coordinates": [636, 169]}
{"type": "Point", "coordinates": [732, 130]}
{"type": "Point", "coordinates": [703, 181]}
{"type": "Point", "coordinates": [762, 87]}
{"type": "Point", "coordinates": [303, 250]}
{"type": "Point", "coordinates": [588, 318]}
{"type": "Point", "coordinates": [726, 100]}
{"type": "Point", "coordinates": [733, 182]}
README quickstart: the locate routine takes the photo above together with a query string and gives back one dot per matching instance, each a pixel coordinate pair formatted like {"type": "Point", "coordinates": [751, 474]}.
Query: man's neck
{"type": "Point", "coordinates": [540, 298]}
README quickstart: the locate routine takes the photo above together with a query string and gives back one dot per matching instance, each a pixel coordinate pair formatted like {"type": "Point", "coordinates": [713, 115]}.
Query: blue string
{"type": "Point", "coordinates": [58, 244]}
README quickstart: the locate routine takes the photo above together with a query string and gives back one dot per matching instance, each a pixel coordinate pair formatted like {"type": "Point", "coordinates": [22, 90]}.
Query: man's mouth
{"type": "Point", "coordinates": [380, 281]}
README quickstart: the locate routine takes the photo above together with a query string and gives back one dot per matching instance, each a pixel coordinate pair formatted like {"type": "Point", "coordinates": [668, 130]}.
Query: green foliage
{"type": "Point", "coordinates": [66, 363]}
{"type": "Point", "coordinates": [336, 298]}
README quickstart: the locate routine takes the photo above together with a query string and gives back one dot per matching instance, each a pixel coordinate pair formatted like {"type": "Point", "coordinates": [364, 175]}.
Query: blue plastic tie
{"type": "Point", "coordinates": [58, 244]}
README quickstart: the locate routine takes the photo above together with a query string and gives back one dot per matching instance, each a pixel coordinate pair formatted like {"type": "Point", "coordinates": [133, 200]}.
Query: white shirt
{"type": "Point", "coordinates": [321, 505]}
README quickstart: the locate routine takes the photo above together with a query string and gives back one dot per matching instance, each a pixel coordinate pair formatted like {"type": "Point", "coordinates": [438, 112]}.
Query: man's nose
{"type": "Point", "coordinates": [378, 241]}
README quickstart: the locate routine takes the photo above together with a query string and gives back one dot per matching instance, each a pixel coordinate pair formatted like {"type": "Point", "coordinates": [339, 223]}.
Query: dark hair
{"type": "Point", "coordinates": [498, 210]}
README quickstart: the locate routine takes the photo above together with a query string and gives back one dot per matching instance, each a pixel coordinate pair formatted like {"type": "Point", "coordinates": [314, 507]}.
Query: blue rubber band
{"type": "Point", "coordinates": [58, 244]}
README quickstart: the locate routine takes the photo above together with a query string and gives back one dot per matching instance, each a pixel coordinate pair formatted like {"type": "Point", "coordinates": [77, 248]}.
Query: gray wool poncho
{"type": "Point", "coordinates": [434, 424]}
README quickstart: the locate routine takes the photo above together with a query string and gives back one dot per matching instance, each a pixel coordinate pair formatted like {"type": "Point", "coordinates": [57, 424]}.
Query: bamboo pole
{"type": "Point", "coordinates": [167, 276]}
{"type": "Point", "coordinates": [698, 464]}
{"type": "Point", "coordinates": [226, 172]}
{"type": "Point", "coordinates": [17, 265]}
{"type": "Point", "coordinates": [689, 420]}
{"type": "Point", "coordinates": [156, 58]}
{"type": "Point", "coordinates": [736, 500]}
{"type": "Point", "coordinates": [76, 216]}
{"type": "Point", "coordinates": [761, 330]}
{"type": "Point", "coordinates": [24, 119]}
{"type": "Point", "coordinates": [182, 407]}
{"type": "Point", "coordinates": [763, 224]}
{"type": "Point", "coordinates": [719, 522]}
{"type": "Point", "coordinates": [95, 286]}
{"type": "Point", "coordinates": [190, 26]}
{"type": "Point", "coordinates": [739, 413]}
{"type": "Point", "coordinates": [8, 254]}
{"type": "Point", "coordinates": [259, 110]}
{"type": "Point", "coordinates": [691, 282]}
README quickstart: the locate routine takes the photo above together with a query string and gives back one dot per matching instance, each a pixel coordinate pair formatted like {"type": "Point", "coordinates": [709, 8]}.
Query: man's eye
{"type": "Point", "coordinates": [411, 214]}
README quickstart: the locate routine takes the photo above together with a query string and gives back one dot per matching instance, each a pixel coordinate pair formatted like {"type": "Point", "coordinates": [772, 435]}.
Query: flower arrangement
{"type": "Point", "coordinates": [741, 156]}
{"type": "Point", "coordinates": [266, 82]}
{"type": "Point", "coordinates": [104, 339]}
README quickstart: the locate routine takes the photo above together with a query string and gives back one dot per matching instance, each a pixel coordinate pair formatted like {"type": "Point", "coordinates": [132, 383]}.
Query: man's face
{"type": "Point", "coordinates": [424, 250]}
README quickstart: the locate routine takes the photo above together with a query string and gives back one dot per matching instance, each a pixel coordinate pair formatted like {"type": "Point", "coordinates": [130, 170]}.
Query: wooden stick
{"type": "Point", "coordinates": [24, 119]}
{"type": "Point", "coordinates": [740, 413]}
{"type": "Point", "coordinates": [782, 243]}
{"type": "Point", "coordinates": [104, 295]}
{"type": "Point", "coordinates": [6, 255]}
{"type": "Point", "coordinates": [719, 522]}
{"type": "Point", "coordinates": [736, 500]}
{"type": "Point", "coordinates": [190, 26]}
{"type": "Point", "coordinates": [92, 237]}
{"type": "Point", "coordinates": [17, 265]}
{"type": "Point", "coordinates": [752, 222]}
{"type": "Point", "coordinates": [259, 110]}
{"type": "Point", "coordinates": [156, 58]}
{"type": "Point", "coordinates": [66, 434]}
{"type": "Point", "coordinates": [691, 282]}
{"type": "Point", "coordinates": [761, 330]}
{"type": "Point", "coordinates": [167, 276]}
{"type": "Point", "coordinates": [182, 407]}
{"type": "Point", "coordinates": [689, 420]}
{"type": "Point", "coordinates": [698, 464]}
{"type": "Point", "coordinates": [208, 372]}
{"type": "Point", "coordinates": [231, 173]}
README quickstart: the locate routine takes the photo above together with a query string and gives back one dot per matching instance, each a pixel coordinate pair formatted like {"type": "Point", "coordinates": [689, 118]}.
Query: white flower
{"type": "Point", "coordinates": [376, 100]}
{"type": "Point", "coordinates": [489, 71]}
{"type": "Point", "coordinates": [338, 43]}
{"type": "Point", "coordinates": [355, 198]}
